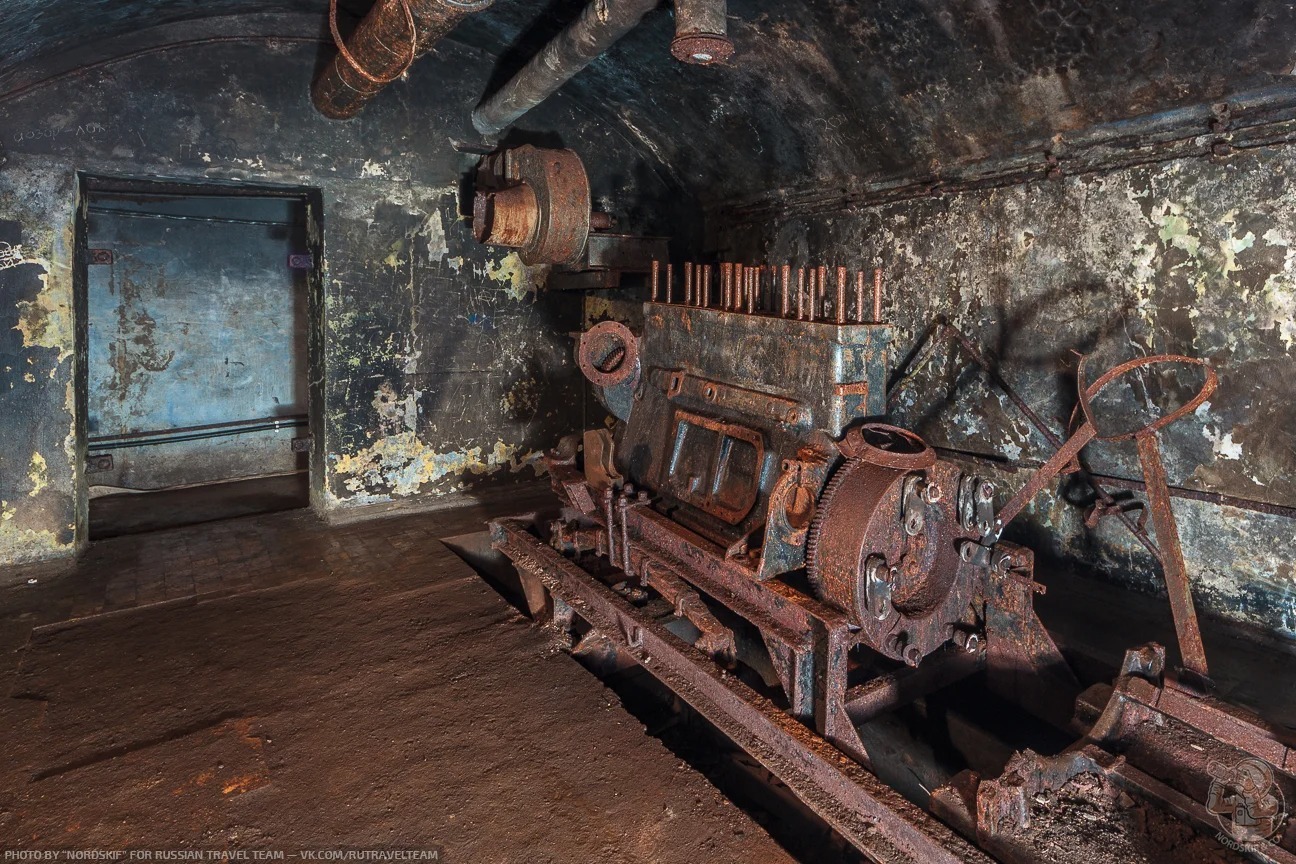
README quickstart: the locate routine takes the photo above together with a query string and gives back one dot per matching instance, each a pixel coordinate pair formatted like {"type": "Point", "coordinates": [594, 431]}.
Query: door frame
{"type": "Point", "coordinates": [91, 184]}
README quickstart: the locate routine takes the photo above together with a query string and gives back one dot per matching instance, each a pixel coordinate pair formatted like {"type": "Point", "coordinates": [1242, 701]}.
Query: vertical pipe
{"type": "Point", "coordinates": [656, 279]}
{"type": "Point", "coordinates": [599, 26]}
{"type": "Point", "coordinates": [701, 32]}
{"type": "Point", "coordinates": [670, 280]}
{"type": "Point", "coordinates": [841, 295]}
{"type": "Point", "coordinates": [813, 292]}
{"type": "Point", "coordinates": [800, 289]}
{"type": "Point", "coordinates": [823, 292]}
{"type": "Point", "coordinates": [688, 283]}
{"type": "Point", "coordinates": [783, 289]}
{"type": "Point", "coordinates": [877, 295]}
{"type": "Point", "coordinates": [859, 297]}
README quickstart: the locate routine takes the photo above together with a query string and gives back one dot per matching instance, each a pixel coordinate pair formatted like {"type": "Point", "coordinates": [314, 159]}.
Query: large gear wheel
{"type": "Point", "coordinates": [883, 545]}
{"type": "Point", "coordinates": [824, 514]}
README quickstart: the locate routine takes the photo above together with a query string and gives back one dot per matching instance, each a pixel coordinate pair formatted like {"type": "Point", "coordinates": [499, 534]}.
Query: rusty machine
{"type": "Point", "coordinates": [756, 535]}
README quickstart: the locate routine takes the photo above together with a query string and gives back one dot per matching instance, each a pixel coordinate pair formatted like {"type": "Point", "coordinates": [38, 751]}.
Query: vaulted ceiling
{"type": "Point", "coordinates": [818, 90]}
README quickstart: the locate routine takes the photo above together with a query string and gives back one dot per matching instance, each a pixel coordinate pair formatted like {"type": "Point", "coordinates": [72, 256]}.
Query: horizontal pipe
{"type": "Point", "coordinates": [597, 29]}
{"type": "Point", "coordinates": [392, 36]}
{"type": "Point", "coordinates": [189, 433]}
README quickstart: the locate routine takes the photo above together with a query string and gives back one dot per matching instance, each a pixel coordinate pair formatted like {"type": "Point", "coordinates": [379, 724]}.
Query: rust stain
{"type": "Point", "coordinates": [246, 783]}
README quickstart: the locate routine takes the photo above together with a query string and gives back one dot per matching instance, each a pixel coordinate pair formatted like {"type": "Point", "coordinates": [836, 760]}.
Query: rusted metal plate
{"type": "Point", "coordinates": [624, 252]}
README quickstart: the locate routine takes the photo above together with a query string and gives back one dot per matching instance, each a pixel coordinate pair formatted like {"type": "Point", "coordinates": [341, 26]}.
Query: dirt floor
{"type": "Point", "coordinates": [277, 683]}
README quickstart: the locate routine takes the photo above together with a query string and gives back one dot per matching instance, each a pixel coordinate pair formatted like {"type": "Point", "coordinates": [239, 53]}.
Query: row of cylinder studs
{"type": "Point", "coordinates": [803, 293]}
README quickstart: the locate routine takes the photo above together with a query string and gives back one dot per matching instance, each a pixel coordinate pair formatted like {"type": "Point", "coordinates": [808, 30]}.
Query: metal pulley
{"type": "Point", "coordinates": [536, 201]}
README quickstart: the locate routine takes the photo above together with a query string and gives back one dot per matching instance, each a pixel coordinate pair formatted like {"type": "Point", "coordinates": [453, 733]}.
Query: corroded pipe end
{"type": "Point", "coordinates": [383, 46]}
{"type": "Point", "coordinates": [484, 126]}
{"type": "Point", "coordinates": [508, 217]}
{"type": "Point", "coordinates": [702, 49]}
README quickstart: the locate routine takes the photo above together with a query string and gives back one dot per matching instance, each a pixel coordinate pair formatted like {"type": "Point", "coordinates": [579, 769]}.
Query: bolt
{"type": "Point", "coordinates": [912, 656]}
{"type": "Point", "coordinates": [969, 642]}
{"type": "Point", "coordinates": [986, 490]}
{"type": "Point", "coordinates": [1221, 149]}
{"type": "Point", "coordinates": [932, 493]}
{"type": "Point", "coordinates": [967, 550]}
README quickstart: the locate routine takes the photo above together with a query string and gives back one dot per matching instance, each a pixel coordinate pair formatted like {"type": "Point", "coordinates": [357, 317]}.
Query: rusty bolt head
{"type": "Point", "coordinates": [911, 655]}
{"type": "Point", "coordinates": [932, 493]}
{"type": "Point", "coordinates": [967, 550]}
{"type": "Point", "coordinates": [985, 491]}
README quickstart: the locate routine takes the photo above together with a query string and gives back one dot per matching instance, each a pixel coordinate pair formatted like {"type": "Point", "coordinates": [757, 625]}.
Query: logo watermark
{"type": "Point", "coordinates": [1246, 800]}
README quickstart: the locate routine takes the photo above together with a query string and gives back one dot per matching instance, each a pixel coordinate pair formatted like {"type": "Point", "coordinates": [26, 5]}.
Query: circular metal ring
{"type": "Point", "coordinates": [608, 353]}
{"type": "Point", "coordinates": [885, 447]}
{"type": "Point", "coordinates": [1088, 393]}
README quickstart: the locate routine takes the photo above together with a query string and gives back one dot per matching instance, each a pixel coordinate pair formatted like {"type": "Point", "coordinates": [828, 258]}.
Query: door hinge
{"type": "Point", "coordinates": [97, 462]}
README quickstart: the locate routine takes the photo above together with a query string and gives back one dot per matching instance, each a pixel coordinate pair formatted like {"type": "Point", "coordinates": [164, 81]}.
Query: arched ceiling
{"type": "Point", "coordinates": [818, 91]}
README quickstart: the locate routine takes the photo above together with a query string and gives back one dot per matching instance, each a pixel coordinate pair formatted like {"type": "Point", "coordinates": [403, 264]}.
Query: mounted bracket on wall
{"type": "Point", "coordinates": [538, 201]}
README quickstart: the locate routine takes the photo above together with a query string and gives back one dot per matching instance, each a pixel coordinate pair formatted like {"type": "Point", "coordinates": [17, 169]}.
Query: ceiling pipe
{"type": "Point", "coordinates": [702, 32]}
{"type": "Point", "coordinates": [385, 43]}
{"type": "Point", "coordinates": [599, 26]}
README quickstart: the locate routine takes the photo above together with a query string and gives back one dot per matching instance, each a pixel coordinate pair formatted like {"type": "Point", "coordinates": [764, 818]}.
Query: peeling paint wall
{"type": "Point", "coordinates": [37, 433]}
{"type": "Point", "coordinates": [1191, 257]}
{"type": "Point", "coordinates": [437, 368]}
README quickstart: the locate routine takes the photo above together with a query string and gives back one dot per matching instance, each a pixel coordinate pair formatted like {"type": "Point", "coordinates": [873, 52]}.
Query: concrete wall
{"type": "Point", "coordinates": [38, 464]}
{"type": "Point", "coordinates": [1190, 256]}
{"type": "Point", "coordinates": [436, 368]}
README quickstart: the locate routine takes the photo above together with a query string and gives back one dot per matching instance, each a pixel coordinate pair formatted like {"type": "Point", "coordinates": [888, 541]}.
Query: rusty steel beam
{"type": "Point", "coordinates": [599, 26]}
{"type": "Point", "coordinates": [385, 43]}
{"type": "Point", "coordinates": [1178, 588]}
{"type": "Point", "coordinates": [874, 818]}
